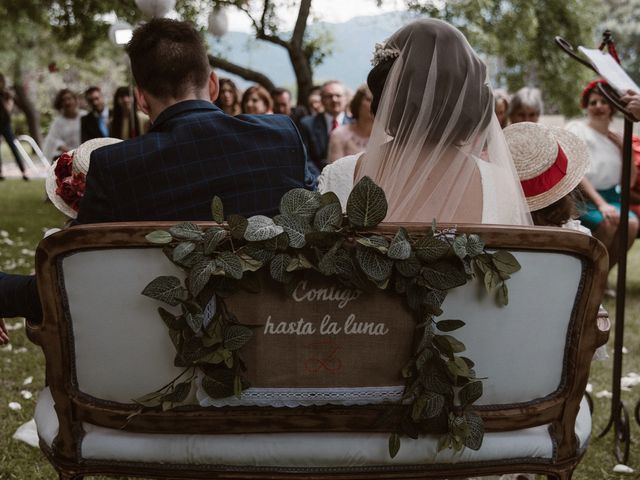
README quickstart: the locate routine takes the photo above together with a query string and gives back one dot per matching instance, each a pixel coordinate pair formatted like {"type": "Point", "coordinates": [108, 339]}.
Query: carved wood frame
{"type": "Point", "coordinates": [74, 407]}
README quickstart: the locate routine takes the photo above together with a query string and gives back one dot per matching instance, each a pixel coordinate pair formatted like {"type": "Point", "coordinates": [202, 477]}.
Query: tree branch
{"type": "Point", "coordinates": [246, 73]}
{"type": "Point", "coordinates": [301, 24]}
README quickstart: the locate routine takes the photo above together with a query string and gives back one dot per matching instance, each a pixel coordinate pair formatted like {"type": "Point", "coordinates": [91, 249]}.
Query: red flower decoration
{"type": "Point", "coordinates": [70, 186]}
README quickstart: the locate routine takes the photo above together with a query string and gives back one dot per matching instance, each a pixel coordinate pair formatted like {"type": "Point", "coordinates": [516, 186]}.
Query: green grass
{"type": "Point", "coordinates": [24, 216]}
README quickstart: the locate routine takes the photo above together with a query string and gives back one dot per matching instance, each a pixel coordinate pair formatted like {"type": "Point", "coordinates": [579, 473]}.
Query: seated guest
{"type": "Point", "coordinates": [601, 182]}
{"type": "Point", "coordinates": [281, 101]}
{"type": "Point", "coordinates": [315, 129]}
{"type": "Point", "coordinates": [64, 132]}
{"type": "Point", "coordinates": [192, 152]}
{"type": "Point", "coordinates": [526, 105]}
{"type": "Point", "coordinates": [229, 99]}
{"type": "Point", "coordinates": [353, 137]}
{"type": "Point", "coordinates": [436, 148]}
{"type": "Point", "coordinates": [502, 106]}
{"type": "Point", "coordinates": [94, 124]}
{"type": "Point", "coordinates": [127, 121]}
{"type": "Point", "coordinates": [257, 101]}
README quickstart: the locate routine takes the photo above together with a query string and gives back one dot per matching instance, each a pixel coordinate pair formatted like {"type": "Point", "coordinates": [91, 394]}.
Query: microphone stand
{"type": "Point", "coordinates": [619, 416]}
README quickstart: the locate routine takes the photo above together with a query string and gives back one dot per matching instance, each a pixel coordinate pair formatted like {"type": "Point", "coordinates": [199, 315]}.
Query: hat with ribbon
{"type": "Point", "coordinates": [550, 161]}
{"type": "Point", "coordinates": [65, 182]}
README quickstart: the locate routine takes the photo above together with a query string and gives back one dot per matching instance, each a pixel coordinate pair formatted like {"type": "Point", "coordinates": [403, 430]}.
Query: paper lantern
{"type": "Point", "coordinates": [155, 8]}
{"type": "Point", "coordinates": [218, 22]}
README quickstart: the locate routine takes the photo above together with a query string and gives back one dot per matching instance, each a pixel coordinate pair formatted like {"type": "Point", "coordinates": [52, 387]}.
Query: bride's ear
{"type": "Point", "coordinates": [141, 99]}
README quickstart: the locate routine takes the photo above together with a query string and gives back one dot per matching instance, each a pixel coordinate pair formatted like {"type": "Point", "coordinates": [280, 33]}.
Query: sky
{"type": "Point", "coordinates": [333, 11]}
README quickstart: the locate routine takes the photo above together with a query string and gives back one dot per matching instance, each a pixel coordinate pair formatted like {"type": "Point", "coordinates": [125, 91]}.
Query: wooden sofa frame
{"type": "Point", "coordinates": [73, 408]}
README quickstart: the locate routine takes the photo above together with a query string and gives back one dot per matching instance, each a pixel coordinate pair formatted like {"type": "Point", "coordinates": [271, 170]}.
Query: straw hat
{"type": "Point", "coordinates": [550, 161]}
{"type": "Point", "coordinates": [65, 180]}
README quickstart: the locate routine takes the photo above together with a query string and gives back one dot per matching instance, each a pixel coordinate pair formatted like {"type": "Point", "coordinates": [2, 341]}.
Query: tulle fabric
{"type": "Point", "coordinates": [435, 122]}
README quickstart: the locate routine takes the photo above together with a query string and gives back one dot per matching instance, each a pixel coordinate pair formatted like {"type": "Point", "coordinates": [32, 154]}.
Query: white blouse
{"type": "Point", "coordinates": [605, 170]}
{"type": "Point", "coordinates": [62, 132]}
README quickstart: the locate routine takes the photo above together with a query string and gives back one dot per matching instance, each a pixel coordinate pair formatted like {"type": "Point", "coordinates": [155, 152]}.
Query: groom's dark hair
{"type": "Point", "coordinates": [168, 58]}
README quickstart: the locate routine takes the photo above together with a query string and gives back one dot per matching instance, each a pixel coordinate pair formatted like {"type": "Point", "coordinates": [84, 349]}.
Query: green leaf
{"type": "Point", "coordinates": [475, 431]}
{"type": "Point", "coordinates": [159, 237]}
{"type": "Point", "coordinates": [199, 275]}
{"type": "Point", "coordinates": [458, 367]}
{"type": "Point", "coordinates": [373, 264]}
{"type": "Point", "coordinates": [167, 289]}
{"type": "Point", "coordinates": [394, 442]}
{"type": "Point", "coordinates": [444, 442]}
{"type": "Point", "coordinates": [217, 357]}
{"type": "Point", "coordinates": [218, 382]}
{"type": "Point", "coordinates": [367, 204]}
{"type": "Point", "coordinates": [230, 263]}
{"type": "Point", "coordinates": [236, 336]}
{"type": "Point", "coordinates": [471, 392]}
{"type": "Point", "coordinates": [178, 394]}
{"type": "Point", "coordinates": [278, 267]}
{"type": "Point", "coordinates": [217, 210]}
{"type": "Point", "coordinates": [460, 246]}
{"type": "Point", "coordinates": [409, 267]}
{"type": "Point", "coordinates": [300, 202]}
{"type": "Point", "coordinates": [491, 280]}
{"type": "Point", "coordinates": [212, 237]}
{"type": "Point", "coordinates": [172, 321]}
{"type": "Point", "coordinates": [434, 403]}
{"type": "Point", "coordinates": [328, 198]}
{"type": "Point", "coordinates": [444, 276]}
{"type": "Point", "coordinates": [249, 264]}
{"type": "Point", "coordinates": [182, 250]}
{"type": "Point", "coordinates": [237, 226]}
{"type": "Point", "coordinates": [258, 253]}
{"type": "Point", "coordinates": [431, 249]}
{"type": "Point", "coordinates": [194, 321]}
{"type": "Point", "coordinates": [475, 245]}
{"type": "Point", "coordinates": [295, 227]}
{"type": "Point", "coordinates": [375, 241]}
{"type": "Point", "coordinates": [237, 386]}
{"type": "Point", "coordinates": [456, 345]}
{"type": "Point", "coordinates": [505, 262]}
{"type": "Point", "coordinates": [299, 263]}
{"type": "Point", "coordinates": [280, 242]}
{"type": "Point", "coordinates": [186, 231]}
{"type": "Point", "coordinates": [151, 400]}
{"type": "Point", "coordinates": [449, 325]}
{"type": "Point", "coordinates": [502, 295]}
{"type": "Point", "coordinates": [261, 228]}
{"type": "Point", "coordinates": [328, 218]}
{"type": "Point", "coordinates": [400, 248]}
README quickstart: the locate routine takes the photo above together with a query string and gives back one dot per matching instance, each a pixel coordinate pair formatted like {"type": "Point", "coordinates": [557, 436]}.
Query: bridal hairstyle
{"type": "Point", "coordinates": [168, 58]}
{"type": "Point", "coordinates": [434, 116]}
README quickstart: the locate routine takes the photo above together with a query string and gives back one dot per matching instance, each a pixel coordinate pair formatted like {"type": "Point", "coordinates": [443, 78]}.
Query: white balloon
{"type": "Point", "coordinates": [218, 22]}
{"type": "Point", "coordinates": [155, 8]}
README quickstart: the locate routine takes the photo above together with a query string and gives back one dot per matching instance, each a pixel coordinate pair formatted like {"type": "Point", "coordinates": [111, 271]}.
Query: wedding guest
{"type": "Point", "coordinates": [94, 124]}
{"type": "Point", "coordinates": [502, 106]}
{"type": "Point", "coordinates": [315, 129]}
{"type": "Point", "coordinates": [436, 148]}
{"type": "Point", "coordinates": [64, 132]}
{"type": "Point", "coordinates": [281, 101]}
{"type": "Point", "coordinates": [632, 99]}
{"type": "Point", "coordinates": [353, 137]}
{"type": "Point", "coordinates": [229, 98]}
{"type": "Point", "coordinates": [125, 109]}
{"type": "Point", "coordinates": [526, 105]}
{"type": "Point", "coordinates": [6, 106]}
{"type": "Point", "coordinates": [314, 101]}
{"type": "Point", "coordinates": [601, 182]}
{"type": "Point", "coordinates": [257, 101]}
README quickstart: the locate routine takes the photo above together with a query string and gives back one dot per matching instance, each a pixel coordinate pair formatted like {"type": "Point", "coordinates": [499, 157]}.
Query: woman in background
{"type": "Point", "coordinates": [257, 101]}
{"type": "Point", "coordinates": [6, 105]}
{"type": "Point", "coordinates": [353, 137]}
{"type": "Point", "coordinates": [229, 98]}
{"type": "Point", "coordinates": [526, 105]}
{"type": "Point", "coordinates": [121, 126]}
{"type": "Point", "coordinates": [64, 132]}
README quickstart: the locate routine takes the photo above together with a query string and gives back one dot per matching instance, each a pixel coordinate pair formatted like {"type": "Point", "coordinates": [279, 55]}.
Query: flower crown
{"type": "Point", "coordinates": [382, 53]}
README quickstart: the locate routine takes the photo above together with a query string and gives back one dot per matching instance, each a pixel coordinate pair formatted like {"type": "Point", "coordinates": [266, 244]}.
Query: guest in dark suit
{"type": "Point", "coordinates": [94, 124]}
{"type": "Point", "coordinates": [315, 129]}
{"type": "Point", "coordinates": [192, 152]}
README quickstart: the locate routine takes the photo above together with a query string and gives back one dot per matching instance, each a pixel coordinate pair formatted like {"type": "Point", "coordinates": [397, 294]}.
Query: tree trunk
{"type": "Point", "coordinates": [25, 104]}
{"type": "Point", "coordinates": [243, 72]}
{"type": "Point", "coordinates": [304, 75]}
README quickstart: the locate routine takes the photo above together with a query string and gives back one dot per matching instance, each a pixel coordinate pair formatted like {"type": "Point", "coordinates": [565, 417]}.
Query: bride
{"type": "Point", "coordinates": [436, 149]}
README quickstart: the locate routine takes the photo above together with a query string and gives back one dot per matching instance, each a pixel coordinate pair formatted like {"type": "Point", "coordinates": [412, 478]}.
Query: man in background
{"type": "Point", "coordinates": [94, 124]}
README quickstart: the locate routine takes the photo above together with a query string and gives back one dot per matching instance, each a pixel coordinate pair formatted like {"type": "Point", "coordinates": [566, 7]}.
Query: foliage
{"type": "Point", "coordinates": [521, 34]}
{"type": "Point", "coordinates": [623, 19]}
{"type": "Point", "coordinates": [312, 234]}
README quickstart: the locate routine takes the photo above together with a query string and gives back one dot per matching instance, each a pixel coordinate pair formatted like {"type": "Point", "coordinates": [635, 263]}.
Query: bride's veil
{"type": "Point", "coordinates": [434, 126]}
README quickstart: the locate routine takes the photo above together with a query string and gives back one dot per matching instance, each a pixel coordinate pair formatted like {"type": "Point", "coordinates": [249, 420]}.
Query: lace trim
{"type": "Point", "coordinates": [302, 397]}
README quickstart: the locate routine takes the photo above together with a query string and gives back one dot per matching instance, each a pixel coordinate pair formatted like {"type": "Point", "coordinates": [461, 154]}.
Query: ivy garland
{"type": "Point", "coordinates": [312, 233]}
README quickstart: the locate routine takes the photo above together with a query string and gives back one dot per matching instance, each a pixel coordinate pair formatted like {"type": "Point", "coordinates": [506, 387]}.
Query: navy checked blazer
{"type": "Point", "coordinates": [193, 152]}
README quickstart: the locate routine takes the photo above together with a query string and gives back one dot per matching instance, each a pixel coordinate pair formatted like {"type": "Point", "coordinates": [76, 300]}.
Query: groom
{"type": "Point", "coordinates": [192, 152]}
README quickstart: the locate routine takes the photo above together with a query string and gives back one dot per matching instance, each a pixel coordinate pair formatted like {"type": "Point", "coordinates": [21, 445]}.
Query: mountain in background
{"type": "Point", "coordinates": [351, 47]}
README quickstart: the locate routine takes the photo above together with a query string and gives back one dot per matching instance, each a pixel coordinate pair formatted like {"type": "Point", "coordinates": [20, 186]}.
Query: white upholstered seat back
{"type": "Point", "coordinates": [123, 351]}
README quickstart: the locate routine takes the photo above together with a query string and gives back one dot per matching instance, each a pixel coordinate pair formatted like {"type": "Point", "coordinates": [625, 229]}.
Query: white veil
{"type": "Point", "coordinates": [435, 130]}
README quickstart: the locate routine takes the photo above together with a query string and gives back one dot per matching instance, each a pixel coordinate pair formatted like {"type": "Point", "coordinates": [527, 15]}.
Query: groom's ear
{"type": "Point", "coordinates": [214, 86]}
{"type": "Point", "coordinates": [143, 104]}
